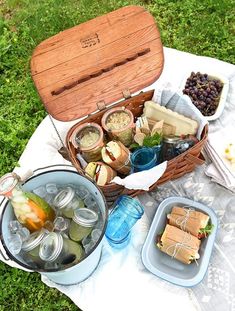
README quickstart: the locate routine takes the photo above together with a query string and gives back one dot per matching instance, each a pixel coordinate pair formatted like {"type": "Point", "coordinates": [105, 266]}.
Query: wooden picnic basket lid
{"type": "Point", "coordinates": [89, 66]}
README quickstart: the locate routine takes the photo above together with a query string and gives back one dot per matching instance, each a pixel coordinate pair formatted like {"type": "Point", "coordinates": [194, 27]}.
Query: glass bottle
{"type": "Point", "coordinates": [67, 201]}
{"type": "Point", "coordinates": [30, 210]}
{"type": "Point", "coordinates": [60, 250]}
{"type": "Point", "coordinates": [124, 215]}
{"type": "Point", "coordinates": [82, 224]}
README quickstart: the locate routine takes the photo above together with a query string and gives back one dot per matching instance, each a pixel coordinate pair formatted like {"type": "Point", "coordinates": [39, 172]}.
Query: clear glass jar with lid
{"type": "Point", "coordinates": [30, 209]}
{"type": "Point", "coordinates": [88, 139]}
{"type": "Point", "coordinates": [32, 245]}
{"type": "Point", "coordinates": [57, 248]}
{"type": "Point", "coordinates": [168, 147]}
{"type": "Point", "coordinates": [66, 201]}
{"type": "Point", "coordinates": [82, 224]}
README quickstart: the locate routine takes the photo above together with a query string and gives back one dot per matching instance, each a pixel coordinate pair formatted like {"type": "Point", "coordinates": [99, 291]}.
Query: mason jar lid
{"type": "Point", "coordinates": [8, 182]}
{"type": "Point", "coordinates": [64, 197]}
{"type": "Point", "coordinates": [171, 139]}
{"type": "Point", "coordinates": [34, 240]}
{"type": "Point", "coordinates": [51, 247]}
{"type": "Point", "coordinates": [85, 217]}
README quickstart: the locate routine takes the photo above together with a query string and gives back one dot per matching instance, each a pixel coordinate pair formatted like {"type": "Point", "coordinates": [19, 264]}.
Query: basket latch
{"type": "Point", "coordinates": [101, 105]}
{"type": "Point", "coordinates": [126, 93]}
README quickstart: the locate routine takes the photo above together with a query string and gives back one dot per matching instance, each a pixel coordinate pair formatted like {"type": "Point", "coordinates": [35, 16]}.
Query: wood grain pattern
{"type": "Point", "coordinates": [100, 22]}
{"type": "Point", "coordinates": [101, 57]}
{"type": "Point", "coordinates": [87, 50]}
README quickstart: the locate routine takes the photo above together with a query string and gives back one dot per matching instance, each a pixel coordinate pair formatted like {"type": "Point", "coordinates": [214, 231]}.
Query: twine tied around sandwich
{"type": "Point", "coordinates": [180, 245]}
{"type": "Point", "coordinates": [182, 220]}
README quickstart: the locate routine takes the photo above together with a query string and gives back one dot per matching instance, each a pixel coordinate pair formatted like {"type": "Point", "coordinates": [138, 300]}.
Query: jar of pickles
{"type": "Point", "coordinates": [82, 224]}
{"type": "Point", "coordinates": [119, 123]}
{"type": "Point", "coordinates": [32, 245]}
{"type": "Point", "coordinates": [66, 201]}
{"type": "Point", "coordinates": [60, 250]}
{"type": "Point", "coordinates": [30, 209]}
{"type": "Point", "coordinates": [88, 138]}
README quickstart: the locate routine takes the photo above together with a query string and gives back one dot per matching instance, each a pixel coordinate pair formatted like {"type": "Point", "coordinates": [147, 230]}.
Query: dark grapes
{"type": "Point", "coordinates": [204, 92]}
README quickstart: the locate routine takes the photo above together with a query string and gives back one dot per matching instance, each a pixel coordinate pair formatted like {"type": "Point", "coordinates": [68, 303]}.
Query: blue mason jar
{"type": "Point", "coordinates": [122, 218]}
{"type": "Point", "coordinates": [143, 159]}
{"type": "Point", "coordinates": [157, 149]}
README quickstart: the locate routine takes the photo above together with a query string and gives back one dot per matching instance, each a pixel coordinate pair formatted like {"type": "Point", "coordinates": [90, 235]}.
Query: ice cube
{"type": "Point", "coordinates": [89, 201]}
{"type": "Point", "coordinates": [14, 226]}
{"type": "Point", "coordinates": [15, 243]}
{"type": "Point", "coordinates": [40, 191]}
{"type": "Point", "coordinates": [51, 265]}
{"type": "Point", "coordinates": [89, 246]}
{"type": "Point", "coordinates": [24, 233]}
{"type": "Point", "coordinates": [86, 241]}
{"type": "Point", "coordinates": [82, 191]}
{"type": "Point", "coordinates": [49, 198]}
{"type": "Point", "coordinates": [61, 224]}
{"type": "Point", "coordinates": [95, 235]}
{"type": "Point", "coordinates": [100, 223]}
{"type": "Point", "coordinates": [51, 188]}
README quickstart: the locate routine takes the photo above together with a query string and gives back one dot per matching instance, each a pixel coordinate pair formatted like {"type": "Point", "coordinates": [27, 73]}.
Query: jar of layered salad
{"type": "Point", "coordinates": [119, 123]}
{"type": "Point", "coordinates": [88, 139]}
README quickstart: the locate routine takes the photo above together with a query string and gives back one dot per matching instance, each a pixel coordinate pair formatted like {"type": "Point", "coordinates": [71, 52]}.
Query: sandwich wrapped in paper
{"type": "Point", "coordinates": [179, 244]}
{"type": "Point", "coordinates": [116, 155]}
{"type": "Point", "coordinates": [189, 220]}
{"type": "Point", "coordinates": [101, 173]}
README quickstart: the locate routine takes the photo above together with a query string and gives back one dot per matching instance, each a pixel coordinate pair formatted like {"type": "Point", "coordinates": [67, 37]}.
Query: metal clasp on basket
{"type": "Point", "coordinates": [126, 93]}
{"type": "Point", "coordinates": [101, 105]}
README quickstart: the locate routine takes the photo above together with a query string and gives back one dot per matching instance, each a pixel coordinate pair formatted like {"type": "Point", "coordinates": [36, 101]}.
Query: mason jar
{"type": "Point", "coordinates": [119, 124]}
{"type": "Point", "coordinates": [60, 250]}
{"type": "Point", "coordinates": [66, 201]}
{"type": "Point", "coordinates": [169, 147]}
{"type": "Point", "coordinates": [82, 224]}
{"type": "Point", "coordinates": [88, 139]}
{"type": "Point", "coordinates": [125, 213]}
{"type": "Point", "coordinates": [32, 245]}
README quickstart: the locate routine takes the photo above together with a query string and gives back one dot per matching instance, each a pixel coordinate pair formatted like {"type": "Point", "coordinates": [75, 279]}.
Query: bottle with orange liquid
{"type": "Point", "coordinates": [30, 210]}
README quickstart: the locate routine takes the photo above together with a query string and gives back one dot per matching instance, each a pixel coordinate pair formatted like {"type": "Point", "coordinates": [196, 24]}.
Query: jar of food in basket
{"type": "Point", "coordinates": [119, 124]}
{"type": "Point", "coordinates": [88, 139]}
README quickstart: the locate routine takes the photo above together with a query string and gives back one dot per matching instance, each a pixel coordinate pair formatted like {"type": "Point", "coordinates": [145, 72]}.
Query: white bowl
{"type": "Point", "coordinates": [223, 95]}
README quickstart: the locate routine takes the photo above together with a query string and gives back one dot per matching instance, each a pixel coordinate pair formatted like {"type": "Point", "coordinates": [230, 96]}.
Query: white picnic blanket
{"type": "Point", "coordinates": [121, 282]}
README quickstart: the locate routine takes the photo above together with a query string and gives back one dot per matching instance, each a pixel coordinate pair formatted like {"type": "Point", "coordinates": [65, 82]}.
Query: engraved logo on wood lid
{"type": "Point", "coordinates": [90, 40]}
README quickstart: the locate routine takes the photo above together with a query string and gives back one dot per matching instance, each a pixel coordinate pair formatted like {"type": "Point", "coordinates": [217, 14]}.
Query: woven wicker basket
{"type": "Point", "coordinates": [177, 167]}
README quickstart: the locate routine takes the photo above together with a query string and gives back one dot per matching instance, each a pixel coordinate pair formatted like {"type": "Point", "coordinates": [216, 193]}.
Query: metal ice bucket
{"type": "Point", "coordinates": [59, 174]}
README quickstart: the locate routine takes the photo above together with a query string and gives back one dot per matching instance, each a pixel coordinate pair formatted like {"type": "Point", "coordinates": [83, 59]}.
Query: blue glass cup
{"type": "Point", "coordinates": [143, 159]}
{"type": "Point", "coordinates": [158, 151]}
{"type": "Point", "coordinates": [122, 218]}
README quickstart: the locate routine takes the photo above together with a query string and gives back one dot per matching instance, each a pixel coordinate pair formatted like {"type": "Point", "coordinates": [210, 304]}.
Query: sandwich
{"type": "Point", "coordinates": [179, 244]}
{"type": "Point", "coordinates": [101, 173]}
{"type": "Point", "coordinates": [191, 221]}
{"type": "Point", "coordinates": [116, 155]}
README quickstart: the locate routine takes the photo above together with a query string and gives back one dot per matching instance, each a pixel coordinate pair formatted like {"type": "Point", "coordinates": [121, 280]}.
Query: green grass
{"type": "Point", "coordinates": [203, 27]}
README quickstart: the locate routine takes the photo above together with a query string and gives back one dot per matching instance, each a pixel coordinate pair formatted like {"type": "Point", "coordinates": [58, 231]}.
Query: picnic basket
{"type": "Point", "coordinates": [83, 71]}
